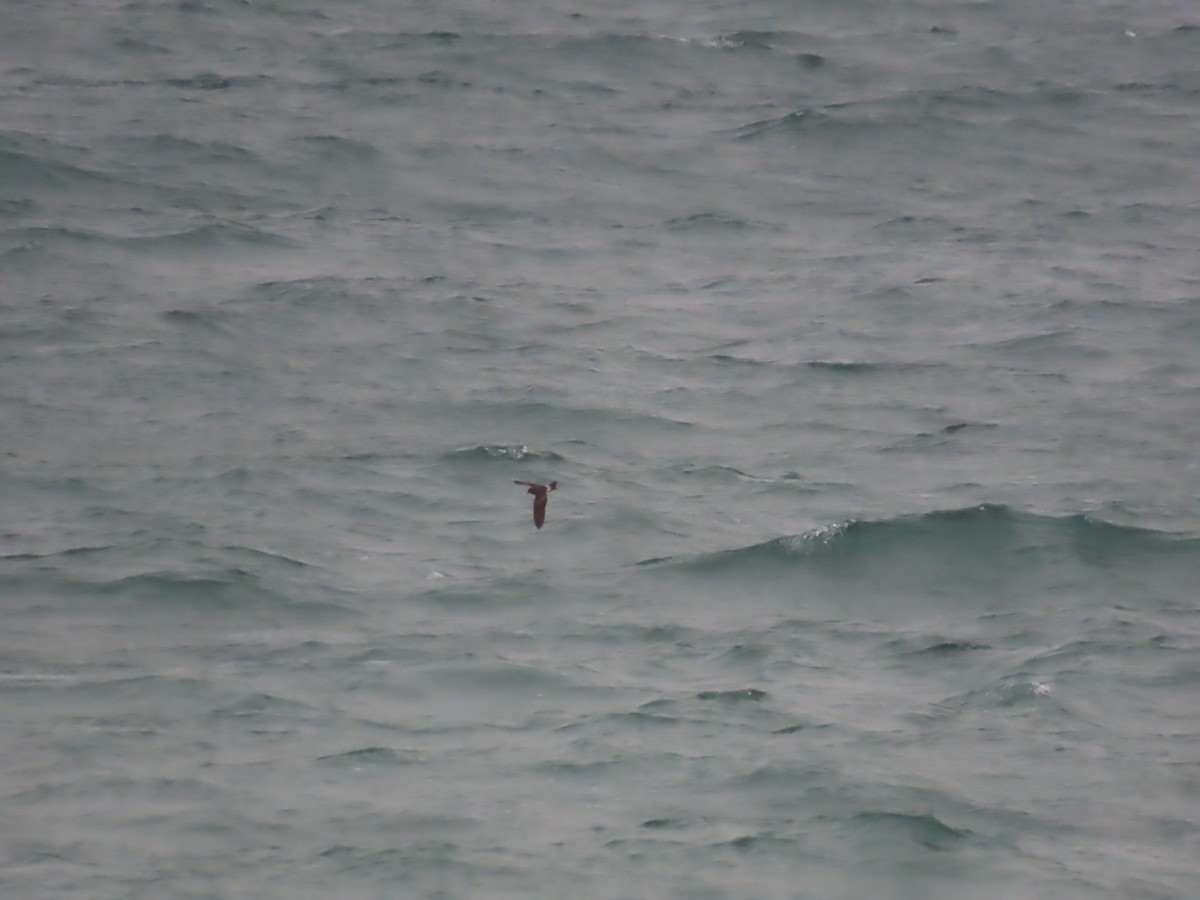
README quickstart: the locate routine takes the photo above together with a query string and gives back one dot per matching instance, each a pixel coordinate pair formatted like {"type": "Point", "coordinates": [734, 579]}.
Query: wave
{"type": "Point", "coordinates": [28, 168]}
{"type": "Point", "coordinates": [213, 81]}
{"type": "Point", "coordinates": [264, 706]}
{"type": "Point", "coordinates": [200, 319]}
{"type": "Point", "coordinates": [225, 588]}
{"type": "Point", "coordinates": [948, 114]}
{"type": "Point", "coordinates": [332, 148]}
{"type": "Point", "coordinates": [209, 236]}
{"type": "Point", "coordinates": [924, 829]}
{"type": "Point", "coordinates": [68, 551]}
{"type": "Point", "coordinates": [690, 469]}
{"type": "Point", "coordinates": [520, 414]}
{"type": "Point", "coordinates": [165, 146]}
{"type": "Point", "coordinates": [487, 452]}
{"type": "Point", "coordinates": [173, 574]}
{"type": "Point", "coordinates": [787, 41]}
{"type": "Point", "coordinates": [870, 367]}
{"type": "Point", "coordinates": [371, 756]}
{"type": "Point", "coordinates": [988, 536]}
{"type": "Point", "coordinates": [716, 222]}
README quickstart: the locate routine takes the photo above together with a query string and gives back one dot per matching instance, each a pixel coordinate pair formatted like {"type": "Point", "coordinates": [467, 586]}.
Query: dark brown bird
{"type": "Point", "coordinates": [539, 492]}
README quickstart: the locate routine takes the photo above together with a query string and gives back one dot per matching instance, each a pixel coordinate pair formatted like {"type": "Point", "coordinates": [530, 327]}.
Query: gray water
{"type": "Point", "coordinates": [860, 337]}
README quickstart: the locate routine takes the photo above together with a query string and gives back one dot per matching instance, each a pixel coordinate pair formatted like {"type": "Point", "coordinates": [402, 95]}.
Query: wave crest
{"type": "Point", "coordinates": [483, 452]}
{"type": "Point", "coordinates": [979, 538]}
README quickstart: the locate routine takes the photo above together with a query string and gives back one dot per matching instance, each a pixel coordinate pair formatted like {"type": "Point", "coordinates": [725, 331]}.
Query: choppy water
{"type": "Point", "coordinates": [862, 340]}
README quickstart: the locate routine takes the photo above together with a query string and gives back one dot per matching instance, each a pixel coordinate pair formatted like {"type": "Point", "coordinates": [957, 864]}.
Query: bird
{"type": "Point", "coordinates": [539, 492]}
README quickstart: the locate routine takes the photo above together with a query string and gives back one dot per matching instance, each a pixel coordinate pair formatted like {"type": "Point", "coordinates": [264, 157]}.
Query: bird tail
{"type": "Point", "coordinates": [553, 485]}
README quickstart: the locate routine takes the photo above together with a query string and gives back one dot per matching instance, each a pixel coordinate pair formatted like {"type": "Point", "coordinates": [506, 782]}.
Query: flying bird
{"type": "Point", "coordinates": [539, 492]}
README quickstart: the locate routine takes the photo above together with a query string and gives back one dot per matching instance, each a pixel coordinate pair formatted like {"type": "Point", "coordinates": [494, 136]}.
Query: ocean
{"type": "Point", "coordinates": [861, 338]}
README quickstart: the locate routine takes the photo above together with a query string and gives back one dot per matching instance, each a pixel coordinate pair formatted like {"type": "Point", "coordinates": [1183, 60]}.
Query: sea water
{"type": "Point", "coordinates": [861, 338]}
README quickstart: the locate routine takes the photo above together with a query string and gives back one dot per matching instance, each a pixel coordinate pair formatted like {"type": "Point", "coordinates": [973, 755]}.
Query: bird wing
{"type": "Point", "coordinates": [527, 483]}
{"type": "Point", "coordinates": [539, 509]}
